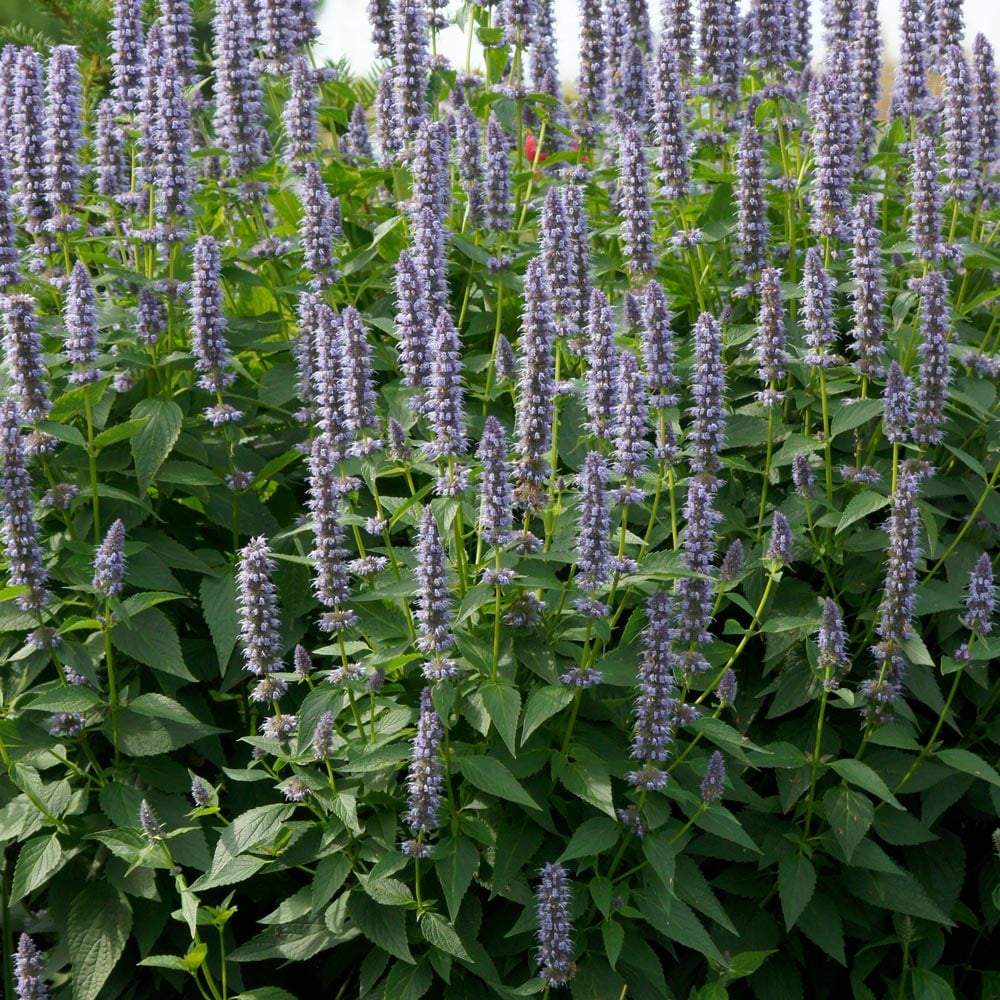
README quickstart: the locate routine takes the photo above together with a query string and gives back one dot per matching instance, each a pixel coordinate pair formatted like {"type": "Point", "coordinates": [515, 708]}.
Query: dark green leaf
{"type": "Point", "coordinates": [98, 927]}
{"type": "Point", "coordinates": [543, 703]}
{"type": "Point", "coordinates": [969, 763]}
{"type": "Point", "coordinates": [38, 859]}
{"type": "Point", "coordinates": [441, 934]}
{"type": "Point", "coordinates": [849, 814]}
{"type": "Point", "coordinates": [489, 775]}
{"type": "Point", "coordinates": [457, 862]}
{"type": "Point", "coordinates": [796, 885]}
{"type": "Point", "coordinates": [382, 925]}
{"type": "Point", "coordinates": [503, 705]}
{"type": "Point", "coordinates": [592, 836]}
{"type": "Point", "coordinates": [150, 638]}
{"type": "Point", "coordinates": [154, 441]}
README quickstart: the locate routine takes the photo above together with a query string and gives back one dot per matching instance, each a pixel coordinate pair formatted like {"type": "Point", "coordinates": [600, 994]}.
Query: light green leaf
{"type": "Point", "coordinates": [543, 703]}
{"type": "Point", "coordinates": [118, 432]}
{"type": "Point", "coordinates": [857, 773]}
{"type": "Point", "coordinates": [331, 873]}
{"type": "Point", "coordinates": [613, 935]}
{"type": "Point", "coordinates": [796, 885]}
{"type": "Point", "coordinates": [592, 836]}
{"type": "Point", "coordinates": [851, 415]}
{"type": "Point", "coordinates": [387, 891]}
{"type": "Point", "coordinates": [154, 442]}
{"type": "Point", "coordinates": [489, 775]}
{"type": "Point", "coordinates": [442, 935]}
{"type": "Point", "coordinates": [503, 705]}
{"type": "Point", "coordinates": [100, 920]}
{"type": "Point", "coordinates": [39, 858]}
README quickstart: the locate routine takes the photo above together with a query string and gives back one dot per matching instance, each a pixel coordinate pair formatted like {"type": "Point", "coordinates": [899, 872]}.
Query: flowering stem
{"type": "Point", "coordinates": [687, 826]}
{"type": "Point", "coordinates": [109, 662]}
{"type": "Point", "coordinates": [814, 765]}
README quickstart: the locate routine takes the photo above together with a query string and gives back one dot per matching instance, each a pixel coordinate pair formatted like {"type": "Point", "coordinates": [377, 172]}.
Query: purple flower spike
{"type": "Point", "coordinates": [987, 108]}
{"type": "Point", "coordinates": [817, 311]}
{"type": "Point", "coordinates": [961, 130]}
{"type": "Point", "coordinates": [413, 324]}
{"type": "Point", "coordinates": [535, 381]}
{"type": "Point", "coordinates": [719, 46]}
{"type": "Point", "coordinates": [558, 258]}
{"type": "Point", "coordinates": [109, 562]}
{"type": "Point", "coordinates": [592, 84]}
{"type": "Point", "coordinates": [329, 556]}
{"type": "Point", "coordinates": [126, 56]}
{"type": "Point", "coordinates": [555, 943]}
{"type": "Point", "coordinates": [318, 229]}
{"type": "Point", "coordinates": [631, 446]}
{"type": "Point", "coordinates": [832, 640]}
{"type": "Point", "coordinates": [467, 161]}
{"type": "Point", "coordinates": [387, 120]}
{"type": "Point", "coordinates": [834, 147]}
{"type": "Point", "coordinates": [20, 532]}
{"type": "Point", "coordinates": [925, 204]}
{"type": "Point", "coordinates": [752, 228]}
{"type": "Point", "coordinates": [633, 180]}
{"type": "Point", "coordinates": [779, 548]}
{"type": "Point", "coordinates": [671, 127]}
{"type": "Point", "coordinates": [693, 595]}
{"type": "Point", "coordinates": [425, 782]}
{"type": "Point", "coordinates": [496, 501]}
{"type": "Point", "coordinates": [866, 271]}
{"type": "Point", "coordinates": [897, 418]}
{"type": "Point", "coordinates": [410, 41]}
{"type": "Point", "coordinates": [299, 116]}
{"type": "Point", "coordinates": [258, 606]}
{"type": "Point", "coordinates": [981, 599]}
{"type": "Point", "coordinates": [654, 704]}
{"type": "Point", "coordinates": [63, 132]}
{"type": "Point", "coordinates": [658, 347]}
{"type": "Point", "coordinates": [911, 95]}
{"type": "Point", "coordinates": [678, 32]}
{"type": "Point", "coordinates": [357, 383]}
{"type": "Point", "coordinates": [172, 174]}
{"type": "Point", "coordinates": [714, 782]}
{"type": "Point", "coordinates": [28, 165]}
{"type": "Point", "coordinates": [935, 368]}
{"type": "Point", "coordinates": [708, 415]}
{"type": "Point", "coordinates": [109, 149]}
{"type": "Point", "coordinates": [29, 978]}
{"type": "Point", "coordinates": [80, 319]}
{"type": "Point", "coordinates": [434, 601]}
{"type": "Point", "coordinates": [22, 348]}
{"type": "Point", "coordinates": [770, 343]}
{"type": "Point", "coordinates": [602, 368]}
{"type": "Point", "coordinates": [496, 177]}
{"type": "Point", "coordinates": [593, 541]}
{"type": "Point", "coordinates": [208, 339]}
{"type": "Point", "coordinates": [868, 72]}
{"type": "Point", "coordinates": [445, 393]}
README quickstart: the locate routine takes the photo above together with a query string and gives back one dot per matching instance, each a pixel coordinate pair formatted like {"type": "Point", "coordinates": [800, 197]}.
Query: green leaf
{"type": "Point", "coordinates": [613, 935]}
{"type": "Point", "coordinates": [969, 763]}
{"type": "Point", "coordinates": [861, 506]}
{"type": "Point", "coordinates": [662, 857]}
{"type": "Point", "coordinates": [543, 703]}
{"type": "Point", "coordinates": [76, 698]}
{"type": "Point", "coordinates": [406, 982]}
{"type": "Point", "coordinates": [218, 606]}
{"type": "Point", "coordinates": [150, 638]}
{"type": "Point", "coordinates": [331, 873]}
{"type": "Point", "coordinates": [119, 432]}
{"type": "Point", "coordinates": [382, 925]}
{"type": "Point", "coordinates": [441, 934]}
{"type": "Point", "coordinates": [592, 836]}
{"type": "Point", "coordinates": [851, 415]}
{"type": "Point", "coordinates": [503, 705]}
{"type": "Point", "coordinates": [746, 963]}
{"type": "Point", "coordinates": [898, 893]}
{"type": "Point", "coordinates": [719, 820]}
{"type": "Point", "coordinates": [796, 885]}
{"type": "Point", "coordinates": [456, 865]}
{"type": "Point", "coordinates": [154, 442]}
{"type": "Point", "coordinates": [98, 927]}
{"type": "Point", "coordinates": [266, 993]}
{"type": "Point", "coordinates": [927, 985]}
{"type": "Point", "coordinates": [849, 814]}
{"type": "Point", "coordinates": [387, 891]}
{"type": "Point", "coordinates": [857, 773]}
{"type": "Point", "coordinates": [39, 858]}
{"type": "Point", "coordinates": [820, 922]}
{"type": "Point", "coordinates": [679, 924]}
{"type": "Point", "coordinates": [489, 775]}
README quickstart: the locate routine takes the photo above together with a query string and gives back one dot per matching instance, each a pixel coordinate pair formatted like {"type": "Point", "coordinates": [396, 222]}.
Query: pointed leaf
{"type": "Point", "coordinates": [39, 858]}
{"type": "Point", "coordinates": [441, 934]}
{"type": "Point", "coordinates": [489, 775]}
{"type": "Point", "coordinates": [503, 705]}
{"type": "Point", "coordinates": [796, 885]}
{"type": "Point", "coordinates": [218, 606]}
{"type": "Point", "coordinates": [849, 814]}
{"type": "Point", "coordinates": [543, 703]}
{"type": "Point", "coordinates": [382, 925]}
{"type": "Point", "coordinates": [98, 927]}
{"type": "Point", "coordinates": [592, 836]}
{"type": "Point", "coordinates": [969, 763]}
{"type": "Point", "coordinates": [455, 869]}
{"type": "Point", "coordinates": [154, 442]}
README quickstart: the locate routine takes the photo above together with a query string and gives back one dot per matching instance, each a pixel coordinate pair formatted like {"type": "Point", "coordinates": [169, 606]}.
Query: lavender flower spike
{"type": "Point", "coordinates": [258, 607]}
{"type": "Point", "coordinates": [714, 782]}
{"type": "Point", "coordinates": [633, 178]}
{"type": "Point", "coordinates": [693, 595]}
{"type": "Point", "coordinates": [653, 708]}
{"type": "Point", "coordinates": [658, 347]}
{"type": "Point", "coordinates": [299, 116]}
{"type": "Point", "coordinates": [987, 112]}
{"type": "Point", "coordinates": [925, 201]}
{"type": "Point", "coordinates": [80, 319]}
{"type": "Point", "coordinates": [592, 85]}
{"type": "Point", "coordinates": [20, 532]}
{"type": "Point", "coordinates": [535, 382]}
{"type": "Point", "coordinates": [63, 133]}
{"type": "Point", "coordinates": [28, 170]}
{"type": "Point", "coordinates": [631, 446]}
{"type": "Point", "coordinates": [935, 370]}
{"type": "Point", "coordinates": [208, 340]}
{"type": "Point", "coordinates": [496, 501]}
{"type": "Point", "coordinates": [425, 780]}
{"type": "Point", "coordinates": [961, 130]}
{"type": "Point", "coordinates": [817, 311]}
{"type": "Point", "coordinates": [410, 40]}
{"type": "Point", "coordinates": [594, 559]}
{"type": "Point", "coordinates": [770, 341]}
{"type": "Point", "coordinates": [357, 383]}
{"type": "Point", "coordinates": [555, 944]}
{"type": "Point", "coordinates": [866, 270]}
{"type": "Point", "coordinates": [22, 349]}
{"type": "Point", "coordinates": [779, 548]}
{"type": "Point", "coordinates": [708, 416]}
{"type": "Point", "coordinates": [832, 640]}
{"type": "Point", "coordinates": [897, 416]}
{"type": "Point", "coordinates": [981, 598]}
{"type": "Point", "coordinates": [29, 980]}
{"type": "Point", "coordinates": [752, 229]}
{"type": "Point", "coordinates": [445, 392]}
{"type": "Point", "coordinates": [126, 56]}
{"type": "Point", "coordinates": [434, 602]}
{"type": "Point", "coordinates": [671, 128]}
{"type": "Point", "coordinates": [496, 177]}
{"type": "Point", "coordinates": [330, 581]}
{"type": "Point", "coordinates": [602, 367]}
{"type": "Point", "coordinates": [109, 561]}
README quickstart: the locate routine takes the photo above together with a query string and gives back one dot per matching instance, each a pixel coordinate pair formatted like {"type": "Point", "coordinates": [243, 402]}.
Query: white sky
{"type": "Point", "coordinates": [345, 31]}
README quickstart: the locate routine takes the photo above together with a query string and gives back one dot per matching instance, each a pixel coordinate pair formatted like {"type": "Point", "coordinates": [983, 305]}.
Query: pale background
{"type": "Point", "coordinates": [345, 31]}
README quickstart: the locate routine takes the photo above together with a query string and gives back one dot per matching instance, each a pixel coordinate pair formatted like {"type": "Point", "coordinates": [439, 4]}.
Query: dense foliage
{"type": "Point", "coordinates": [462, 542]}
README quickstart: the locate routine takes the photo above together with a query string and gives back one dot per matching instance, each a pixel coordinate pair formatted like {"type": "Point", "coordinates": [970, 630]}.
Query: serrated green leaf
{"type": "Point", "coordinates": [151, 638]}
{"type": "Point", "coordinates": [441, 934]}
{"type": "Point", "coordinates": [456, 866]}
{"type": "Point", "coordinates": [969, 763]}
{"type": "Point", "coordinates": [98, 927]}
{"type": "Point", "coordinates": [613, 936]}
{"type": "Point", "coordinates": [898, 893]}
{"type": "Point", "coordinates": [849, 814]}
{"type": "Point", "coordinates": [218, 606]}
{"type": "Point", "coordinates": [387, 891]}
{"type": "Point", "coordinates": [860, 506]}
{"type": "Point", "coordinates": [851, 415]}
{"type": "Point", "coordinates": [331, 873]}
{"type": "Point", "coordinates": [856, 772]}
{"type": "Point", "coordinates": [38, 859]}
{"type": "Point", "coordinates": [796, 885]}
{"type": "Point", "coordinates": [118, 432]}
{"type": "Point", "coordinates": [927, 985]}
{"type": "Point", "coordinates": [503, 705]}
{"type": "Point", "coordinates": [820, 922]}
{"type": "Point", "coordinates": [384, 926]}
{"type": "Point", "coordinates": [76, 698]}
{"type": "Point", "coordinates": [543, 703]}
{"type": "Point", "coordinates": [662, 857]}
{"type": "Point", "coordinates": [592, 836]}
{"type": "Point", "coordinates": [154, 441]}
{"type": "Point", "coordinates": [490, 775]}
